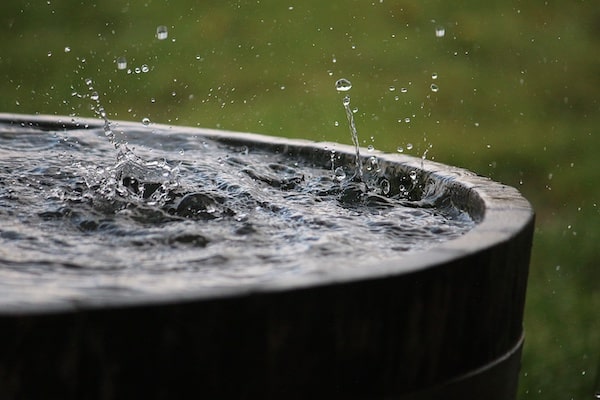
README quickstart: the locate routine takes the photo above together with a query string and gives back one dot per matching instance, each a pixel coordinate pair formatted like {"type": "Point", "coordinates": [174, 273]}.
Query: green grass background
{"type": "Point", "coordinates": [517, 101]}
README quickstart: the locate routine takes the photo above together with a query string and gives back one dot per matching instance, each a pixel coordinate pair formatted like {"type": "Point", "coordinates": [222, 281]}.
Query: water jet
{"type": "Point", "coordinates": [443, 320]}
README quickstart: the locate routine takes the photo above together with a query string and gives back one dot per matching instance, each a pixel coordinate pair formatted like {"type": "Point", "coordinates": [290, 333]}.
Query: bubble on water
{"type": "Point", "coordinates": [67, 49]}
{"type": "Point", "coordinates": [407, 120]}
{"type": "Point", "coordinates": [346, 101]}
{"type": "Point", "coordinates": [400, 149]}
{"type": "Point", "coordinates": [95, 96]}
{"type": "Point", "coordinates": [413, 175]}
{"type": "Point", "coordinates": [88, 82]}
{"type": "Point", "coordinates": [434, 75]}
{"type": "Point", "coordinates": [121, 63]}
{"type": "Point", "coordinates": [336, 123]}
{"type": "Point", "coordinates": [409, 146]}
{"type": "Point", "coordinates": [392, 88]}
{"type": "Point", "coordinates": [162, 32]}
{"type": "Point", "coordinates": [343, 85]}
{"type": "Point", "coordinates": [440, 31]}
{"type": "Point", "coordinates": [434, 87]}
{"type": "Point", "coordinates": [146, 121]}
{"type": "Point", "coordinates": [145, 68]}
{"type": "Point", "coordinates": [49, 54]}
{"type": "Point", "coordinates": [404, 90]}
{"type": "Point", "coordinates": [340, 174]}
{"type": "Point", "coordinates": [385, 186]}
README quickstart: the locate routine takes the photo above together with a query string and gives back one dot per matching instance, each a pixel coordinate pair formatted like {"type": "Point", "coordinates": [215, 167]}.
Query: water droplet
{"type": "Point", "coordinates": [67, 49]}
{"type": "Point", "coordinates": [434, 75]}
{"type": "Point", "coordinates": [413, 175]}
{"type": "Point", "coordinates": [346, 101]}
{"type": "Point", "coordinates": [95, 96]}
{"type": "Point", "coordinates": [162, 32]}
{"type": "Point", "coordinates": [434, 87]}
{"type": "Point", "coordinates": [145, 68]}
{"type": "Point", "coordinates": [392, 88]}
{"type": "Point", "coordinates": [409, 146]}
{"type": "Point", "coordinates": [404, 90]}
{"type": "Point", "coordinates": [137, 70]}
{"type": "Point", "coordinates": [440, 31]}
{"type": "Point", "coordinates": [400, 149]}
{"type": "Point", "coordinates": [340, 174]}
{"type": "Point", "coordinates": [49, 54]}
{"type": "Point", "coordinates": [370, 147]}
{"type": "Point", "coordinates": [146, 121]}
{"type": "Point", "coordinates": [336, 123]}
{"type": "Point", "coordinates": [121, 63]}
{"type": "Point", "coordinates": [407, 120]}
{"type": "Point", "coordinates": [373, 164]}
{"type": "Point", "coordinates": [343, 85]}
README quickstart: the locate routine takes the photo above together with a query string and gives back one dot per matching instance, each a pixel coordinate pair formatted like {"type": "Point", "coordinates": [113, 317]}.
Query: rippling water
{"type": "Point", "coordinates": [175, 212]}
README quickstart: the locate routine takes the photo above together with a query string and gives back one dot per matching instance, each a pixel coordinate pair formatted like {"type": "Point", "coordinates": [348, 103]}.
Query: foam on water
{"type": "Point", "coordinates": [80, 215]}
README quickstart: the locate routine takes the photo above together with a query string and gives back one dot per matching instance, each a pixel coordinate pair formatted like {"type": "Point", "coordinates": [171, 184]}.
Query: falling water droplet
{"type": "Point", "coordinates": [146, 121]}
{"type": "Point", "coordinates": [343, 85]}
{"type": "Point", "coordinates": [434, 87]}
{"type": "Point", "coordinates": [162, 32]}
{"type": "Point", "coordinates": [121, 63]}
{"type": "Point", "coordinates": [440, 31]}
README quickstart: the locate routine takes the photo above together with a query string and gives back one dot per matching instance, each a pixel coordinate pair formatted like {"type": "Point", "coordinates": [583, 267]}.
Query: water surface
{"type": "Point", "coordinates": [171, 211]}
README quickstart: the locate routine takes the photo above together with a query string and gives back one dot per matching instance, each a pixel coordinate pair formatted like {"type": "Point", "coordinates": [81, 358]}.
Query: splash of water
{"type": "Point", "coordinates": [131, 179]}
{"type": "Point", "coordinates": [344, 85]}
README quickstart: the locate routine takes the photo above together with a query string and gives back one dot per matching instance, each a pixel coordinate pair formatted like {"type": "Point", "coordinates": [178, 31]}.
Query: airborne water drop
{"type": "Point", "coordinates": [162, 32]}
{"type": "Point", "coordinates": [343, 85]}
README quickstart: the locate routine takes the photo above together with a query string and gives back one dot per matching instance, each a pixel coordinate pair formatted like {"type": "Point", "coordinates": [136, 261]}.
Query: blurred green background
{"type": "Point", "coordinates": [517, 101]}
